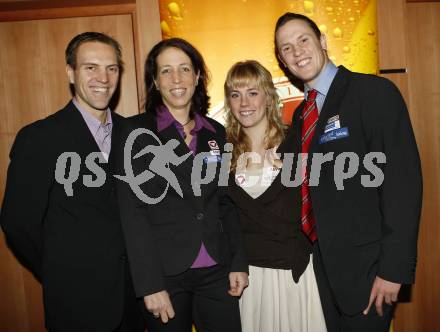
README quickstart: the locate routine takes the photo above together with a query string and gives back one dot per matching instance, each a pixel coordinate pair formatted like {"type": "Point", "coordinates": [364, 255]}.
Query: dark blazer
{"type": "Point", "coordinates": [74, 245]}
{"type": "Point", "coordinates": [271, 223]}
{"type": "Point", "coordinates": [163, 239]}
{"type": "Point", "coordinates": [366, 231]}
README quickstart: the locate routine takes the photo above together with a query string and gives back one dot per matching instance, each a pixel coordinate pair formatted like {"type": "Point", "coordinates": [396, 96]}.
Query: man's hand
{"type": "Point", "coordinates": [159, 304]}
{"type": "Point", "coordinates": [382, 290]}
{"type": "Point", "coordinates": [238, 281]}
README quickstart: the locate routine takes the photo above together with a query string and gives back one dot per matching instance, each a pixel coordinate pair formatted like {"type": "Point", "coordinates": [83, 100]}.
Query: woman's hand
{"type": "Point", "coordinates": [238, 281]}
{"type": "Point", "coordinates": [159, 304]}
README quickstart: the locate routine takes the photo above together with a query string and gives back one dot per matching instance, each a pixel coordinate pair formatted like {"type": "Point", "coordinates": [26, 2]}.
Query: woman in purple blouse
{"type": "Point", "coordinates": [185, 251]}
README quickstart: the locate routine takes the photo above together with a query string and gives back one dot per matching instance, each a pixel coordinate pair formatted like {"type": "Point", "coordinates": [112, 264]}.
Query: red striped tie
{"type": "Point", "coordinates": [310, 118]}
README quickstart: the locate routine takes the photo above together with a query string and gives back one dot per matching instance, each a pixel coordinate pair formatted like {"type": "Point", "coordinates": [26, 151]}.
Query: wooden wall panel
{"type": "Point", "coordinates": [33, 85]}
{"type": "Point", "coordinates": [34, 62]}
{"type": "Point", "coordinates": [33, 300]}
{"type": "Point", "coordinates": [401, 81]}
{"type": "Point", "coordinates": [12, 289]}
{"type": "Point", "coordinates": [423, 54]}
{"type": "Point", "coordinates": [147, 33]}
{"type": "Point", "coordinates": [17, 0]}
{"type": "Point", "coordinates": [45, 9]}
{"type": "Point", "coordinates": [391, 24]}
{"type": "Point", "coordinates": [409, 37]}
{"type": "Point", "coordinates": [5, 146]}
{"type": "Point", "coordinates": [392, 45]}
{"type": "Point", "coordinates": [422, 0]}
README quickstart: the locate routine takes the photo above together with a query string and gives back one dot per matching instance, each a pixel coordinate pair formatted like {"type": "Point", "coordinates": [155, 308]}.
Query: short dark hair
{"type": "Point", "coordinates": [75, 43]}
{"type": "Point", "coordinates": [280, 22]}
{"type": "Point", "coordinates": [200, 99]}
{"type": "Point", "coordinates": [294, 16]}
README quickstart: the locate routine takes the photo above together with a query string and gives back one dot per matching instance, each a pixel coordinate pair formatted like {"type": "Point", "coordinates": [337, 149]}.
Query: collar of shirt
{"type": "Point", "coordinates": [322, 83]}
{"type": "Point", "coordinates": [166, 119]}
{"type": "Point", "coordinates": [93, 123]}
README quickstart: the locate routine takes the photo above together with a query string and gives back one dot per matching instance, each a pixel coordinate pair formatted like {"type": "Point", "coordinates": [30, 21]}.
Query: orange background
{"type": "Point", "coordinates": [227, 31]}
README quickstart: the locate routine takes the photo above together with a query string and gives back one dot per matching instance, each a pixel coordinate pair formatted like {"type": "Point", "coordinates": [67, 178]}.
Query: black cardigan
{"type": "Point", "coordinates": [271, 223]}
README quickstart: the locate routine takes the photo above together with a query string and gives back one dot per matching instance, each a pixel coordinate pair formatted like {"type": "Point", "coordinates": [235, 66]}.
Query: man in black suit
{"type": "Point", "coordinates": [70, 235]}
{"type": "Point", "coordinates": [364, 229]}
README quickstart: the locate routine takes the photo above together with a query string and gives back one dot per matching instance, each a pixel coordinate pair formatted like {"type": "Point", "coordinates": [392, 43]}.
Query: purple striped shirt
{"type": "Point", "coordinates": [101, 132]}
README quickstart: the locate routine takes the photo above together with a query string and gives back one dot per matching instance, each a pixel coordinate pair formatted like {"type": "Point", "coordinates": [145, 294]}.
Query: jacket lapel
{"type": "Point", "coordinates": [149, 121]}
{"type": "Point", "coordinates": [81, 141]}
{"type": "Point", "coordinates": [331, 105]}
{"type": "Point", "coordinates": [181, 149]}
{"type": "Point", "coordinates": [116, 140]}
{"type": "Point", "coordinates": [203, 137]}
{"type": "Point", "coordinates": [297, 125]}
{"type": "Point", "coordinates": [73, 122]}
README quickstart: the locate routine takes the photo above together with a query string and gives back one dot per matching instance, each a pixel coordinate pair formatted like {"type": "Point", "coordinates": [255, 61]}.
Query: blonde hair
{"type": "Point", "coordinates": [244, 74]}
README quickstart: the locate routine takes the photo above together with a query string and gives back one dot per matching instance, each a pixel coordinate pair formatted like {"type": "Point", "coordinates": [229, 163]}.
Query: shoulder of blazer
{"type": "Point", "coordinates": [362, 81]}
{"type": "Point", "coordinates": [143, 120]}
{"type": "Point", "coordinates": [118, 117]}
{"type": "Point", "coordinates": [220, 129]}
{"type": "Point", "coordinates": [373, 84]}
{"type": "Point", "coordinates": [46, 127]}
{"type": "Point", "coordinates": [205, 134]}
{"type": "Point", "coordinates": [341, 79]}
{"type": "Point", "coordinates": [47, 132]}
{"type": "Point", "coordinates": [371, 90]}
{"type": "Point", "coordinates": [68, 118]}
{"type": "Point", "coordinates": [119, 122]}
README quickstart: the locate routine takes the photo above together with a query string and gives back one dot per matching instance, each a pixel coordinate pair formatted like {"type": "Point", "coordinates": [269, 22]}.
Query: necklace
{"type": "Point", "coordinates": [184, 124]}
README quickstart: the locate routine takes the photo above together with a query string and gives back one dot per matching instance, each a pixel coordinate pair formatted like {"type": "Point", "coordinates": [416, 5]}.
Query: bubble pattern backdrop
{"type": "Point", "coordinates": [227, 31]}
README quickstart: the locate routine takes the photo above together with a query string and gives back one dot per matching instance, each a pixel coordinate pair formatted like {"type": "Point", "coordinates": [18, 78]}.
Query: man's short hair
{"type": "Point", "coordinates": [294, 16]}
{"type": "Point", "coordinates": [85, 37]}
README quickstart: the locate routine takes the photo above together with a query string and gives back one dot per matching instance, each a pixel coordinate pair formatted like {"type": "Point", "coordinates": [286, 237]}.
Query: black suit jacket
{"type": "Point", "coordinates": [74, 245]}
{"type": "Point", "coordinates": [164, 239]}
{"type": "Point", "coordinates": [366, 231]}
{"type": "Point", "coordinates": [271, 223]}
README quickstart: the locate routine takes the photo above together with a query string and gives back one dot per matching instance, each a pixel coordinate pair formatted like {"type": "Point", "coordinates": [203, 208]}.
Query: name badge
{"type": "Point", "coordinates": [333, 118]}
{"type": "Point", "coordinates": [215, 150]}
{"type": "Point", "coordinates": [212, 159]}
{"type": "Point", "coordinates": [334, 135]}
{"type": "Point", "coordinates": [240, 178]}
{"type": "Point", "coordinates": [332, 124]}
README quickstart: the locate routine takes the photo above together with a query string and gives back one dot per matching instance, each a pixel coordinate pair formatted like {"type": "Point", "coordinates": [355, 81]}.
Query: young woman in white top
{"type": "Point", "coordinates": [282, 295]}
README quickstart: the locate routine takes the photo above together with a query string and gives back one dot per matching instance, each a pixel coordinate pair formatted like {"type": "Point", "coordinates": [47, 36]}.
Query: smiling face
{"type": "Point", "coordinates": [248, 104]}
{"type": "Point", "coordinates": [300, 50]}
{"type": "Point", "coordinates": [176, 79]}
{"type": "Point", "coordinates": [95, 77]}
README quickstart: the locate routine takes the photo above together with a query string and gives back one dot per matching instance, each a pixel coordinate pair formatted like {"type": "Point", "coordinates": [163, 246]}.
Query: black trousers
{"type": "Point", "coordinates": [131, 320]}
{"type": "Point", "coordinates": [199, 296]}
{"type": "Point", "coordinates": [132, 316]}
{"type": "Point", "coordinates": [336, 320]}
